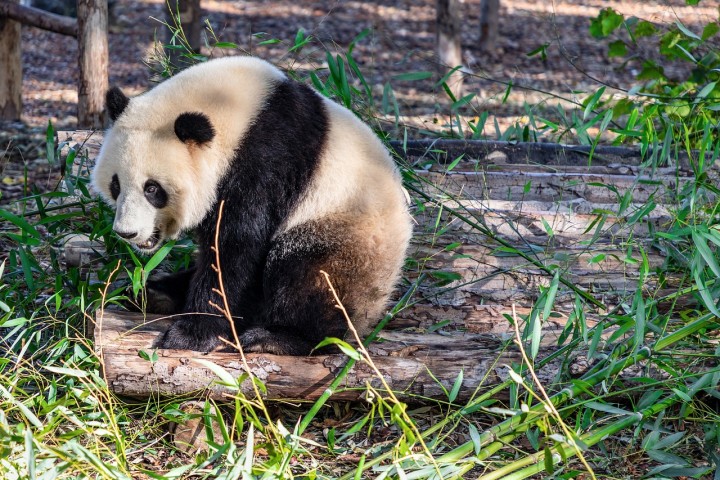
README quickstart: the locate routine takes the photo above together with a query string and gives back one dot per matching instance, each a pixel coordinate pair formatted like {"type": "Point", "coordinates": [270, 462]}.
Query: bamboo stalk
{"type": "Point", "coordinates": [515, 470]}
{"type": "Point", "coordinates": [615, 367]}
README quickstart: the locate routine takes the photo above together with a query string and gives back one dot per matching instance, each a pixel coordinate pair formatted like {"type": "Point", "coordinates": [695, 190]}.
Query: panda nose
{"type": "Point", "coordinates": [126, 235]}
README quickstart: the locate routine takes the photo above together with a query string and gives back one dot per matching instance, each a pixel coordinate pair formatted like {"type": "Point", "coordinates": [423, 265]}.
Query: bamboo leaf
{"type": "Point", "coordinates": [413, 76]}
{"type": "Point", "coordinates": [592, 101]}
{"type": "Point", "coordinates": [456, 387]}
{"type": "Point", "coordinates": [158, 257]}
{"type": "Point", "coordinates": [687, 31]}
{"type": "Point", "coordinates": [704, 293]}
{"type": "Point", "coordinates": [225, 377]}
{"type": "Point", "coordinates": [475, 437]}
{"type": "Point", "coordinates": [704, 250]}
{"type": "Point", "coordinates": [345, 347]}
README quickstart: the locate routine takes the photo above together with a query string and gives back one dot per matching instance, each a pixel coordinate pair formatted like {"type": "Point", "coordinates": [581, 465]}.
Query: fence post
{"type": "Point", "coordinates": [93, 60]}
{"type": "Point", "coordinates": [449, 14]}
{"type": "Point", "coordinates": [10, 70]}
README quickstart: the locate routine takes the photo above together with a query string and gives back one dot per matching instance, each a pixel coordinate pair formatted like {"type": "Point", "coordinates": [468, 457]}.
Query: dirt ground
{"type": "Point", "coordinates": [402, 40]}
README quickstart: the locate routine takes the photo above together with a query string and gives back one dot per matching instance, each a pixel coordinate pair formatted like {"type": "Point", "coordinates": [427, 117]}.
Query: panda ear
{"type": "Point", "coordinates": [194, 127]}
{"type": "Point", "coordinates": [116, 101]}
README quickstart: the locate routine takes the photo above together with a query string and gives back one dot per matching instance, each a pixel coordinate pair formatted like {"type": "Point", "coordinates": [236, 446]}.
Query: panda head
{"type": "Point", "coordinates": [149, 169]}
{"type": "Point", "coordinates": [168, 149]}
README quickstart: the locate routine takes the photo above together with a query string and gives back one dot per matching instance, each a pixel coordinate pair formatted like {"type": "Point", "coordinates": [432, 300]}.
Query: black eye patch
{"type": "Point", "coordinates": [155, 194]}
{"type": "Point", "coordinates": [115, 187]}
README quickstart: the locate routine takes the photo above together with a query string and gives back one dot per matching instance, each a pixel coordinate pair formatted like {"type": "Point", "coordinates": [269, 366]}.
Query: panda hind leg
{"type": "Point", "coordinates": [300, 310]}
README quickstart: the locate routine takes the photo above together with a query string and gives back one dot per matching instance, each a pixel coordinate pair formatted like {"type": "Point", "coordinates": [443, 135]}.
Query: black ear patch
{"type": "Point", "coordinates": [116, 102]}
{"type": "Point", "coordinates": [194, 127]}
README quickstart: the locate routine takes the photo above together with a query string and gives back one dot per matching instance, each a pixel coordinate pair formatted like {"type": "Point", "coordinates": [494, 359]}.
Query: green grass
{"type": "Point", "coordinates": [58, 418]}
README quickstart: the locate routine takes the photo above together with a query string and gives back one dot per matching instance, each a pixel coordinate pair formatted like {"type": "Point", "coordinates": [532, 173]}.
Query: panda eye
{"type": "Point", "coordinates": [115, 187]}
{"type": "Point", "coordinates": [155, 194]}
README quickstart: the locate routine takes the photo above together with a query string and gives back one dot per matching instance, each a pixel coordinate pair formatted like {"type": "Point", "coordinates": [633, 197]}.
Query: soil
{"type": "Point", "coordinates": [402, 40]}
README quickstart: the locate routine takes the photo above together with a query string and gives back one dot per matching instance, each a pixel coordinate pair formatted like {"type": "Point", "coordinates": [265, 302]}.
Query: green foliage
{"type": "Point", "coordinates": [663, 105]}
{"type": "Point", "coordinates": [58, 419]}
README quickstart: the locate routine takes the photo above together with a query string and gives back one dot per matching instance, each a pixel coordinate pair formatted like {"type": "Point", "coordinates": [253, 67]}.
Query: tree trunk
{"type": "Point", "coordinates": [10, 70]}
{"type": "Point", "coordinates": [489, 19]}
{"type": "Point", "coordinates": [93, 53]}
{"type": "Point", "coordinates": [449, 13]}
{"type": "Point", "coordinates": [185, 14]}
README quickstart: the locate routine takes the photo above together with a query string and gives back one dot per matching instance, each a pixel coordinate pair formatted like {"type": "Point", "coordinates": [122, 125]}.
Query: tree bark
{"type": "Point", "coordinates": [93, 53]}
{"type": "Point", "coordinates": [489, 20]}
{"type": "Point", "coordinates": [404, 359]}
{"type": "Point", "coordinates": [449, 14]}
{"type": "Point", "coordinates": [10, 69]}
{"type": "Point", "coordinates": [35, 17]}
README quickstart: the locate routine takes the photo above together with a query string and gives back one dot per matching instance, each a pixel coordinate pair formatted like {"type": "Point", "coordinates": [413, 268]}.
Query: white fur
{"type": "Point", "coordinates": [142, 144]}
{"type": "Point", "coordinates": [356, 174]}
{"type": "Point", "coordinates": [356, 177]}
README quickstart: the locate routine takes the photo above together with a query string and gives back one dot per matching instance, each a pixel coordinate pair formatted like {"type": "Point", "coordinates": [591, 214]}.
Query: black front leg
{"type": "Point", "coordinates": [243, 244]}
{"type": "Point", "coordinates": [167, 294]}
{"type": "Point", "coordinates": [202, 325]}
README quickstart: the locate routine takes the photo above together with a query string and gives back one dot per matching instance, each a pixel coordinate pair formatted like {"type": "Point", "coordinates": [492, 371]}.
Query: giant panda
{"type": "Point", "coordinates": [306, 187]}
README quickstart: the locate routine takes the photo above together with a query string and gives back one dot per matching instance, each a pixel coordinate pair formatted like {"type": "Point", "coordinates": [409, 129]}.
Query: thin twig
{"type": "Point", "coordinates": [221, 291]}
{"type": "Point", "coordinates": [368, 360]}
{"type": "Point", "coordinates": [225, 310]}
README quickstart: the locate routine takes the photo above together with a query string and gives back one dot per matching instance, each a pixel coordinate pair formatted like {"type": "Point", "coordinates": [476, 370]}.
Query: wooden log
{"type": "Point", "coordinates": [537, 223]}
{"type": "Point", "coordinates": [405, 360]}
{"type": "Point", "coordinates": [35, 17]}
{"type": "Point", "coordinates": [93, 55]}
{"type": "Point", "coordinates": [10, 65]}
{"type": "Point", "coordinates": [417, 367]}
{"type": "Point", "coordinates": [532, 186]}
{"type": "Point", "coordinates": [488, 152]}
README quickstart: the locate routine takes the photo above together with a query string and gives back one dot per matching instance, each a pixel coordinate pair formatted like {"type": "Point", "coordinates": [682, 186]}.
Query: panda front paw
{"type": "Point", "coordinates": [197, 333]}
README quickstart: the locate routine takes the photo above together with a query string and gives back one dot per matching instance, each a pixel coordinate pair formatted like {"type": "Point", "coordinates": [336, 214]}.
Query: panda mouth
{"type": "Point", "coordinates": [151, 242]}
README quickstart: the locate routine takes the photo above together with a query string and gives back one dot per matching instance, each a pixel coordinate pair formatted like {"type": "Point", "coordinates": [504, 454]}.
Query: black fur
{"type": "Point", "coordinates": [272, 168]}
{"type": "Point", "coordinates": [116, 102]}
{"type": "Point", "coordinates": [299, 308]}
{"type": "Point", "coordinates": [115, 187]}
{"type": "Point", "coordinates": [194, 127]}
{"type": "Point", "coordinates": [167, 294]}
{"type": "Point", "coordinates": [155, 194]}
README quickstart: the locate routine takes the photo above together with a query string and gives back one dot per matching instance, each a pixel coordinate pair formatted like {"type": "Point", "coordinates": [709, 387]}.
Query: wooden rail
{"type": "Point", "coordinates": [90, 30]}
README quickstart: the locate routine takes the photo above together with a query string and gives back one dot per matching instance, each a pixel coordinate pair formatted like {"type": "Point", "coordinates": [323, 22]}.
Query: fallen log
{"type": "Point", "coordinates": [417, 367]}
